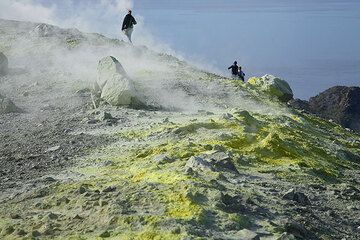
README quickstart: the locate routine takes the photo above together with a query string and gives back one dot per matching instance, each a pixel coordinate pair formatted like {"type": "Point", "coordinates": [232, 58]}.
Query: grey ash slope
{"type": "Point", "coordinates": [222, 162]}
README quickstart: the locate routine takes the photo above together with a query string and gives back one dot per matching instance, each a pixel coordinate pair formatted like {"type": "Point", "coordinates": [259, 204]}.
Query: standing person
{"type": "Point", "coordinates": [234, 70]}
{"type": "Point", "coordinates": [128, 25]}
{"type": "Point", "coordinates": [241, 74]}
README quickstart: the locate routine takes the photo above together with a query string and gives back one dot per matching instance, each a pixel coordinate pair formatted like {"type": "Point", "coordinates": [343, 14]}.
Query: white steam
{"type": "Point", "coordinates": [119, 6]}
{"type": "Point", "coordinates": [103, 16]}
{"type": "Point", "coordinates": [27, 10]}
{"type": "Point", "coordinates": [163, 80]}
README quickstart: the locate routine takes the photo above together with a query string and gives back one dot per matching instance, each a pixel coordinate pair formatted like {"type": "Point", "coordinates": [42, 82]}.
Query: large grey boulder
{"type": "Point", "coordinates": [114, 84]}
{"type": "Point", "coordinates": [4, 64]}
{"type": "Point", "coordinates": [273, 86]}
{"type": "Point", "coordinates": [7, 106]}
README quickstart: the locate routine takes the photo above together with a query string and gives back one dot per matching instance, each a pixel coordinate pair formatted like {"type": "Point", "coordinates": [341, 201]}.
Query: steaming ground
{"type": "Point", "coordinates": [51, 72]}
{"type": "Point", "coordinates": [67, 171]}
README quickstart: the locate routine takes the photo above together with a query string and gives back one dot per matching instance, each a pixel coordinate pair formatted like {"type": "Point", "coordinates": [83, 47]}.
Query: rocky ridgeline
{"type": "Point", "coordinates": [339, 104]}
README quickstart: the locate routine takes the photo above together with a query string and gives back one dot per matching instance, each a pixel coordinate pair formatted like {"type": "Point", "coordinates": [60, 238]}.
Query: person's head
{"type": "Point", "coordinates": [235, 63]}
{"type": "Point", "coordinates": [130, 12]}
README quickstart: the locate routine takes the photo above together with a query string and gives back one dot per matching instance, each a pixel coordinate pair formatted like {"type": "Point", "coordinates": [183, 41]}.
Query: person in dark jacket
{"type": "Point", "coordinates": [234, 70]}
{"type": "Point", "coordinates": [241, 74]}
{"type": "Point", "coordinates": [128, 25]}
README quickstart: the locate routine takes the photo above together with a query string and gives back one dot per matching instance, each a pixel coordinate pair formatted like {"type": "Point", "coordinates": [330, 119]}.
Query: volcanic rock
{"type": "Point", "coordinates": [273, 86]}
{"type": "Point", "coordinates": [116, 87]}
{"type": "Point", "coordinates": [341, 104]}
{"type": "Point", "coordinates": [198, 163]}
{"type": "Point", "coordinates": [296, 196]}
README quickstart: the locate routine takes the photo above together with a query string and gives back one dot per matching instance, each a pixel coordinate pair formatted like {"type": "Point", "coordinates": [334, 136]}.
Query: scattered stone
{"type": "Point", "coordinates": [106, 164]}
{"type": "Point", "coordinates": [225, 136]}
{"type": "Point", "coordinates": [7, 230]}
{"type": "Point", "coordinates": [83, 91]}
{"type": "Point", "coordinates": [218, 147]}
{"type": "Point", "coordinates": [223, 161]}
{"type": "Point", "coordinates": [109, 189]}
{"type": "Point", "coordinates": [247, 234]}
{"type": "Point", "coordinates": [77, 217]}
{"type": "Point", "coordinates": [7, 106]}
{"type": "Point", "coordinates": [82, 190]}
{"type": "Point", "coordinates": [35, 234]}
{"type": "Point", "coordinates": [49, 179]}
{"type": "Point", "coordinates": [162, 159]}
{"type": "Point", "coordinates": [48, 229]}
{"type": "Point", "coordinates": [198, 163]}
{"type": "Point", "coordinates": [208, 113]}
{"type": "Point", "coordinates": [298, 230]}
{"type": "Point", "coordinates": [176, 230]}
{"type": "Point", "coordinates": [105, 234]}
{"type": "Point", "coordinates": [52, 216]}
{"type": "Point", "coordinates": [15, 216]}
{"type": "Point", "coordinates": [62, 200]}
{"type": "Point", "coordinates": [21, 232]}
{"type": "Point", "coordinates": [189, 171]}
{"type": "Point", "coordinates": [299, 197]}
{"type": "Point", "coordinates": [92, 121]}
{"type": "Point", "coordinates": [142, 114]}
{"type": "Point", "coordinates": [4, 64]}
{"type": "Point", "coordinates": [286, 236]}
{"type": "Point", "coordinates": [227, 116]}
{"type": "Point", "coordinates": [103, 203]}
{"type": "Point", "coordinates": [299, 104]}
{"type": "Point", "coordinates": [25, 94]}
{"type": "Point", "coordinates": [53, 149]}
{"type": "Point", "coordinates": [105, 116]}
{"type": "Point", "coordinates": [350, 193]}
{"type": "Point", "coordinates": [231, 204]}
{"type": "Point", "coordinates": [208, 147]}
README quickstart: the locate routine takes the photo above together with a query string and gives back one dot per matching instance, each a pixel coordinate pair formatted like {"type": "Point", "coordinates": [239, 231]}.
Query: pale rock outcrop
{"type": "Point", "coordinates": [4, 64]}
{"type": "Point", "coordinates": [273, 86]}
{"type": "Point", "coordinates": [44, 30]}
{"type": "Point", "coordinates": [114, 84]}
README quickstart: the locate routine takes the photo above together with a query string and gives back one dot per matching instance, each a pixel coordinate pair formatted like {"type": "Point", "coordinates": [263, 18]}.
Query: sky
{"type": "Point", "coordinates": [312, 44]}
